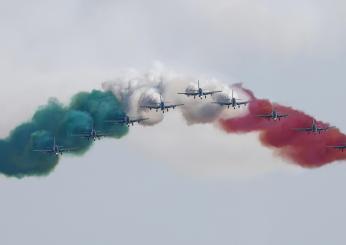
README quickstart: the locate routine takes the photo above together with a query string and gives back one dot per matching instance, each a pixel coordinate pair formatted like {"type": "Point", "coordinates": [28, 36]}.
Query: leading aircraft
{"type": "Point", "coordinates": [274, 115]}
{"type": "Point", "coordinates": [127, 120]}
{"type": "Point", "coordinates": [231, 102]}
{"type": "Point", "coordinates": [199, 92]}
{"type": "Point", "coordinates": [314, 128]}
{"type": "Point", "coordinates": [162, 105]}
{"type": "Point", "coordinates": [92, 134]}
{"type": "Point", "coordinates": [338, 147]}
{"type": "Point", "coordinates": [55, 149]}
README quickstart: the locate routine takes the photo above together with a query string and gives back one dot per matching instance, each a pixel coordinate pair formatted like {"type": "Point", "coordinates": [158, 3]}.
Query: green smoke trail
{"type": "Point", "coordinates": [86, 110]}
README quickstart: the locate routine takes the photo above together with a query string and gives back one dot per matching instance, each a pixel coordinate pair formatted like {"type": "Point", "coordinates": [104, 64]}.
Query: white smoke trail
{"type": "Point", "coordinates": [135, 89]}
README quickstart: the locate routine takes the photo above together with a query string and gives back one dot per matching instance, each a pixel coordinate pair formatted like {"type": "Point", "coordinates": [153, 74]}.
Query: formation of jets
{"type": "Point", "coordinates": [314, 128]}
{"type": "Point", "coordinates": [55, 149]}
{"type": "Point", "coordinates": [165, 106]}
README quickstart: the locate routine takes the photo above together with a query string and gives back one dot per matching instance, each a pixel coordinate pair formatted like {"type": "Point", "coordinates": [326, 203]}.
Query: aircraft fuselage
{"type": "Point", "coordinates": [314, 128]}
{"type": "Point", "coordinates": [56, 151]}
{"type": "Point", "coordinates": [234, 102]}
{"type": "Point", "coordinates": [162, 106]}
{"type": "Point", "coordinates": [200, 92]}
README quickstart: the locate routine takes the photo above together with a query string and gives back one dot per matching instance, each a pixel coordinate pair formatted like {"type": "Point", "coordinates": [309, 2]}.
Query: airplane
{"type": "Point", "coordinates": [274, 115]}
{"type": "Point", "coordinates": [127, 120]}
{"type": "Point", "coordinates": [231, 102]}
{"type": "Point", "coordinates": [314, 128]}
{"type": "Point", "coordinates": [162, 105]}
{"type": "Point", "coordinates": [199, 92]}
{"type": "Point", "coordinates": [338, 147]}
{"type": "Point", "coordinates": [92, 134]}
{"type": "Point", "coordinates": [55, 149]}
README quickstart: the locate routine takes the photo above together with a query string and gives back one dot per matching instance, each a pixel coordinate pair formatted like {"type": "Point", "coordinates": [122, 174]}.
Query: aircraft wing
{"type": "Point", "coordinates": [212, 92]}
{"type": "Point", "coordinates": [100, 134]}
{"type": "Point", "coordinates": [303, 129]}
{"type": "Point", "coordinates": [265, 116]}
{"type": "Point", "coordinates": [63, 149]}
{"type": "Point", "coordinates": [191, 93]}
{"type": "Point", "coordinates": [172, 106]}
{"type": "Point", "coordinates": [151, 106]}
{"type": "Point", "coordinates": [43, 150]}
{"type": "Point", "coordinates": [325, 129]}
{"type": "Point", "coordinates": [283, 115]}
{"type": "Point", "coordinates": [221, 103]}
{"type": "Point", "coordinates": [81, 135]}
{"type": "Point", "coordinates": [243, 103]}
{"type": "Point", "coordinates": [340, 147]}
{"type": "Point", "coordinates": [119, 121]}
{"type": "Point", "coordinates": [138, 120]}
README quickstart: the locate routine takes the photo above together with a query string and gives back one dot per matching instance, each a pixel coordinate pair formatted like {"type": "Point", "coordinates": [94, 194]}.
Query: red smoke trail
{"type": "Point", "coordinates": [306, 150]}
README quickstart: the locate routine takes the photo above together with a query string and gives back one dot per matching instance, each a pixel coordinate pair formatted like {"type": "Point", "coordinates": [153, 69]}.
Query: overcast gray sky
{"type": "Point", "coordinates": [122, 192]}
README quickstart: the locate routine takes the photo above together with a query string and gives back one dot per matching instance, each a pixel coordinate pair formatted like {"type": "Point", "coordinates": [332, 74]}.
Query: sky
{"type": "Point", "coordinates": [130, 191]}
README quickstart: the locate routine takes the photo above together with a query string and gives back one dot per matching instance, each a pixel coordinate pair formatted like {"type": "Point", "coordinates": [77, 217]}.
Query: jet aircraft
{"type": "Point", "coordinates": [231, 102]}
{"type": "Point", "coordinates": [162, 105]}
{"type": "Point", "coordinates": [92, 134]}
{"type": "Point", "coordinates": [127, 120]}
{"type": "Point", "coordinates": [274, 115]}
{"type": "Point", "coordinates": [314, 128]}
{"type": "Point", "coordinates": [55, 149]}
{"type": "Point", "coordinates": [199, 92]}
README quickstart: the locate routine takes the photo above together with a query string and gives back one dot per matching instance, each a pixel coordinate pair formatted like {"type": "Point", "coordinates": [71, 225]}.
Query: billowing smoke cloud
{"type": "Point", "coordinates": [131, 91]}
{"type": "Point", "coordinates": [307, 150]}
{"type": "Point", "coordinates": [85, 111]}
{"type": "Point", "coordinates": [137, 89]}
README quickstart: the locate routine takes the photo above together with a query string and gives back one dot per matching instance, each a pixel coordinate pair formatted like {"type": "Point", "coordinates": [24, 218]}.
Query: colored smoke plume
{"type": "Point", "coordinates": [307, 150]}
{"type": "Point", "coordinates": [127, 94]}
{"type": "Point", "coordinates": [17, 157]}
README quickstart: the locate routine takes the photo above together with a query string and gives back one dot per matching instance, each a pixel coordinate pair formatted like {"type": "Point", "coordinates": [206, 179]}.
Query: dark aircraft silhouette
{"type": "Point", "coordinates": [199, 92]}
{"type": "Point", "coordinates": [55, 149]}
{"type": "Point", "coordinates": [127, 120]}
{"type": "Point", "coordinates": [162, 105]}
{"type": "Point", "coordinates": [274, 115]}
{"type": "Point", "coordinates": [314, 128]}
{"type": "Point", "coordinates": [92, 134]}
{"type": "Point", "coordinates": [231, 102]}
